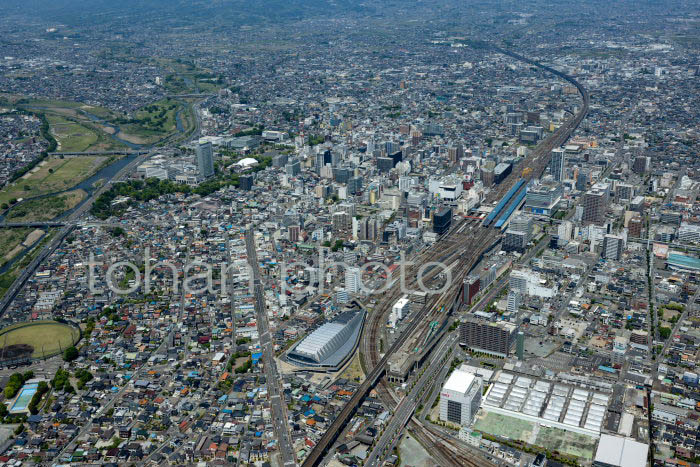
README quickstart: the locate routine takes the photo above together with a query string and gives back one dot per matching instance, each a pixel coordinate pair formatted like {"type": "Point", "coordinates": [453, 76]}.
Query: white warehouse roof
{"type": "Point", "coordinates": [621, 452]}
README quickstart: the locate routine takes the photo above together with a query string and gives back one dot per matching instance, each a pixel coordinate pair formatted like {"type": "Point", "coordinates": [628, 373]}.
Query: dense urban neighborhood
{"type": "Point", "coordinates": [327, 233]}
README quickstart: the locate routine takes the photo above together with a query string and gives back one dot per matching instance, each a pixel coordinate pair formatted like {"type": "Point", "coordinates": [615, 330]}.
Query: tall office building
{"type": "Point", "coordinates": [294, 231]}
{"type": "Point", "coordinates": [641, 164]}
{"type": "Point", "coordinates": [385, 164]}
{"type": "Point", "coordinates": [460, 397]}
{"type": "Point", "coordinates": [634, 227]}
{"type": "Point", "coordinates": [245, 182]}
{"type": "Point", "coordinates": [557, 165]}
{"type": "Point", "coordinates": [613, 246]}
{"type": "Point", "coordinates": [518, 234]}
{"type": "Point", "coordinates": [518, 281]}
{"type": "Point", "coordinates": [455, 153]}
{"type": "Point", "coordinates": [205, 159]}
{"type": "Point", "coordinates": [582, 180]}
{"type": "Point", "coordinates": [515, 299]}
{"type": "Point", "coordinates": [594, 202]}
{"type": "Point", "coordinates": [293, 167]}
{"type": "Point", "coordinates": [471, 287]}
{"type": "Point", "coordinates": [319, 162]}
{"type": "Point", "coordinates": [624, 192]}
{"type": "Point", "coordinates": [520, 345]}
{"type": "Point", "coordinates": [352, 279]}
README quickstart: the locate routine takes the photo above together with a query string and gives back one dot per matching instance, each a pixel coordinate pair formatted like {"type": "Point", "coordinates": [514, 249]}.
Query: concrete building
{"type": "Point", "coordinates": [352, 279]}
{"type": "Point", "coordinates": [542, 198]}
{"type": "Point", "coordinates": [205, 159]}
{"type": "Point", "coordinates": [689, 233]}
{"type": "Point", "coordinates": [641, 164]}
{"type": "Point", "coordinates": [495, 338]}
{"type": "Point", "coordinates": [557, 164]}
{"type": "Point", "coordinates": [613, 246]}
{"type": "Point", "coordinates": [594, 202]}
{"type": "Point", "coordinates": [624, 192]}
{"type": "Point", "coordinates": [293, 167]}
{"type": "Point", "coordinates": [518, 234]}
{"type": "Point", "coordinates": [460, 398]}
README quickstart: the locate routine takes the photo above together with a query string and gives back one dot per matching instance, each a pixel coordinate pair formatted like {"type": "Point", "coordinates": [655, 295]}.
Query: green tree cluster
{"type": "Point", "coordinates": [16, 382]}
{"type": "Point", "coordinates": [42, 388]}
{"type": "Point", "coordinates": [61, 381]}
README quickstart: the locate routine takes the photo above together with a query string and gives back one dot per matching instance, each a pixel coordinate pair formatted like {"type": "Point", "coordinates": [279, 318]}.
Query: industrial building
{"type": "Point", "coordinates": [328, 347]}
{"type": "Point", "coordinates": [617, 451]}
{"type": "Point", "coordinates": [460, 397]}
{"type": "Point", "coordinates": [555, 404]}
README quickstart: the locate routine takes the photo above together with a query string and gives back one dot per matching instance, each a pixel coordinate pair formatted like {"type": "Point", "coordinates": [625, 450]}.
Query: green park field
{"type": "Point", "coordinates": [52, 175]}
{"type": "Point", "coordinates": [46, 338]}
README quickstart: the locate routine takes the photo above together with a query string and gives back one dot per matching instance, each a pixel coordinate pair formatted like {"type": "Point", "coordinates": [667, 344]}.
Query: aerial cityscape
{"type": "Point", "coordinates": [333, 233]}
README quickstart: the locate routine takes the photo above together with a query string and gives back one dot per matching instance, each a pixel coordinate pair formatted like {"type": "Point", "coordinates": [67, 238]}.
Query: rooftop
{"type": "Point", "coordinates": [459, 381]}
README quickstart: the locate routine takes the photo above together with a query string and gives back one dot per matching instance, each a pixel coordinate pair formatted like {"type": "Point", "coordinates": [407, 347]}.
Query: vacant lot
{"type": "Point", "coordinates": [52, 175]}
{"type": "Point", "coordinates": [504, 426]}
{"type": "Point", "coordinates": [566, 442]}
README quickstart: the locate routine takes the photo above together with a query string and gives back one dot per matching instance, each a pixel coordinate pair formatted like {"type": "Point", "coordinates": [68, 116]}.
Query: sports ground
{"type": "Point", "coordinates": [42, 338]}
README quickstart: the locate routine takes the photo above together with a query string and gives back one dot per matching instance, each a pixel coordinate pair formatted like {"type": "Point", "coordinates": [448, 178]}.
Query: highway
{"type": "Point", "coordinates": [467, 253]}
{"type": "Point", "coordinates": [279, 418]}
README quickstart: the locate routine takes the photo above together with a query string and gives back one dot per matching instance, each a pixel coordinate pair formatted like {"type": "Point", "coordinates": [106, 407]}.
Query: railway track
{"type": "Point", "coordinates": [477, 240]}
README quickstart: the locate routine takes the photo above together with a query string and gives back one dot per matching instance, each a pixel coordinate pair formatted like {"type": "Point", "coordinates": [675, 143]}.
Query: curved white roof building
{"type": "Point", "coordinates": [330, 344]}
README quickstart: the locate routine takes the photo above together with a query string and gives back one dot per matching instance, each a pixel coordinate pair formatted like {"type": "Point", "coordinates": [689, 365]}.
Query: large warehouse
{"type": "Point", "coordinates": [328, 347]}
{"type": "Point", "coordinates": [559, 405]}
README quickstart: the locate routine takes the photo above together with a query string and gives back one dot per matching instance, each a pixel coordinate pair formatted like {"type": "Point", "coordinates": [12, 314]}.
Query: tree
{"type": "Point", "coordinates": [664, 332]}
{"type": "Point", "coordinates": [70, 354]}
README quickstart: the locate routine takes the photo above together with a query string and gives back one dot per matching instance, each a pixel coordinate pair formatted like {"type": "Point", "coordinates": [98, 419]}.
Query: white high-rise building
{"type": "Point", "coordinates": [460, 398]}
{"type": "Point", "coordinates": [565, 231]}
{"type": "Point", "coordinates": [518, 281]}
{"type": "Point", "coordinates": [352, 280]}
{"type": "Point", "coordinates": [515, 299]}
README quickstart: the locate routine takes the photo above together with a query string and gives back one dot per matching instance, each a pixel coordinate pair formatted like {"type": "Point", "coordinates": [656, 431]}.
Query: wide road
{"type": "Point", "coordinates": [279, 419]}
{"type": "Point", "coordinates": [408, 404]}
